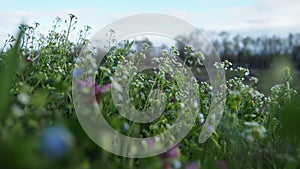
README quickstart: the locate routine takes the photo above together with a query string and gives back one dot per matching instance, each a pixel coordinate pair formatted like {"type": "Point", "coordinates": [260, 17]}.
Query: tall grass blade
{"type": "Point", "coordinates": [7, 73]}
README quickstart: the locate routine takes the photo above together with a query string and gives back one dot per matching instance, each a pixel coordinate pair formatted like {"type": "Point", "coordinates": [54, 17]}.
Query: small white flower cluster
{"type": "Point", "coordinates": [253, 130]}
{"type": "Point", "coordinates": [226, 65]}
{"type": "Point", "coordinates": [243, 71]}
{"type": "Point", "coordinates": [201, 117]}
{"type": "Point", "coordinates": [219, 65]}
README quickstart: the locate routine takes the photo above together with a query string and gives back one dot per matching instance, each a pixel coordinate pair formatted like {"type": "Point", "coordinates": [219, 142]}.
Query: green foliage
{"type": "Point", "coordinates": [7, 69]}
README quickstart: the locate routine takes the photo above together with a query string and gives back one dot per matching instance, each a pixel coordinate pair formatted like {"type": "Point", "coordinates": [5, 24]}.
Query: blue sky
{"type": "Point", "coordinates": [248, 17]}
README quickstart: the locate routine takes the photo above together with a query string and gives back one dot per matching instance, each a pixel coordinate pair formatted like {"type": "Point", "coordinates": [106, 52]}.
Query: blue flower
{"type": "Point", "coordinates": [55, 141]}
{"type": "Point", "coordinates": [77, 73]}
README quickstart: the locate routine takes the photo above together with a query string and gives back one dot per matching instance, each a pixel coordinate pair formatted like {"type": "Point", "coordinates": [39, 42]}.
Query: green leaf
{"type": "Point", "coordinates": [7, 73]}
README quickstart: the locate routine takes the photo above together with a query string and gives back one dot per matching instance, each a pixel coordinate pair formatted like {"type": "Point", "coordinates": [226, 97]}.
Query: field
{"type": "Point", "coordinates": [39, 126]}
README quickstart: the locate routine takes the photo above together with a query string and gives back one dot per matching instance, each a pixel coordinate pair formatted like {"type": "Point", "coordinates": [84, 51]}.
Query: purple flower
{"type": "Point", "coordinates": [95, 90]}
{"type": "Point", "coordinates": [28, 59]}
{"type": "Point", "coordinates": [151, 144]}
{"type": "Point", "coordinates": [102, 89]}
{"type": "Point", "coordinates": [192, 165]}
{"type": "Point", "coordinates": [89, 83]}
{"type": "Point", "coordinates": [263, 109]}
{"type": "Point", "coordinates": [172, 153]}
{"type": "Point", "coordinates": [55, 141]}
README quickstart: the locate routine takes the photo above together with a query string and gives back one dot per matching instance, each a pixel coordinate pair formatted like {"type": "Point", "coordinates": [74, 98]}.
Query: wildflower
{"type": "Point", "coordinates": [247, 73]}
{"type": "Point", "coordinates": [93, 89]}
{"type": "Point", "coordinates": [253, 79]}
{"type": "Point", "coordinates": [55, 141]}
{"type": "Point", "coordinates": [202, 121]}
{"type": "Point", "coordinates": [263, 109]}
{"type": "Point", "coordinates": [77, 73]}
{"type": "Point", "coordinates": [151, 143]}
{"type": "Point", "coordinates": [182, 105]}
{"type": "Point", "coordinates": [83, 84]}
{"type": "Point", "coordinates": [102, 89]}
{"type": "Point", "coordinates": [17, 111]}
{"type": "Point", "coordinates": [23, 98]}
{"type": "Point", "coordinates": [195, 103]}
{"type": "Point", "coordinates": [192, 165]}
{"type": "Point", "coordinates": [28, 59]}
{"type": "Point", "coordinates": [219, 65]}
{"type": "Point", "coordinates": [177, 164]}
{"type": "Point", "coordinates": [126, 126]}
{"type": "Point", "coordinates": [172, 153]}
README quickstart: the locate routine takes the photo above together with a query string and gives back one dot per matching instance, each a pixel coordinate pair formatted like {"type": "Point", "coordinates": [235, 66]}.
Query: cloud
{"type": "Point", "coordinates": [12, 18]}
{"type": "Point", "coordinates": [264, 17]}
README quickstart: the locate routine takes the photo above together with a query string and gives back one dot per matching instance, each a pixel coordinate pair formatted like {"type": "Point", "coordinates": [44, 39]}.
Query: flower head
{"type": "Point", "coordinates": [172, 153]}
{"type": "Point", "coordinates": [28, 59]}
{"type": "Point", "coordinates": [192, 165]}
{"type": "Point", "coordinates": [151, 143]}
{"type": "Point", "coordinates": [77, 73]}
{"type": "Point", "coordinates": [55, 141]}
{"type": "Point", "coordinates": [93, 89]}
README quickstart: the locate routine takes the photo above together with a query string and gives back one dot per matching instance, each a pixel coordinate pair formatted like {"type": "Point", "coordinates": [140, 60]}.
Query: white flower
{"type": "Point", "coordinates": [254, 79]}
{"type": "Point", "coordinates": [17, 111]}
{"type": "Point", "coordinates": [23, 98]}
{"type": "Point", "coordinates": [126, 126]}
{"type": "Point", "coordinates": [201, 116]}
{"type": "Point", "coordinates": [182, 105]}
{"type": "Point", "coordinates": [195, 103]}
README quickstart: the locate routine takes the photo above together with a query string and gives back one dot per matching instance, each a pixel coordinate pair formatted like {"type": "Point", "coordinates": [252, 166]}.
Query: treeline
{"type": "Point", "coordinates": [251, 52]}
{"type": "Point", "coordinates": [258, 52]}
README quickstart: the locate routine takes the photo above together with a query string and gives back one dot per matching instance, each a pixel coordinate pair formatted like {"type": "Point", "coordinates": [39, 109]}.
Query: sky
{"type": "Point", "coordinates": [246, 17]}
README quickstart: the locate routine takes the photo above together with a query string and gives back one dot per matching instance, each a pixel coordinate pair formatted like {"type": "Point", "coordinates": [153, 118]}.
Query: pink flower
{"type": "Point", "coordinates": [96, 90]}
{"type": "Point", "coordinates": [28, 59]}
{"type": "Point", "coordinates": [102, 89]}
{"type": "Point", "coordinates": [151, 144]}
